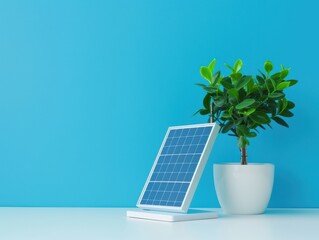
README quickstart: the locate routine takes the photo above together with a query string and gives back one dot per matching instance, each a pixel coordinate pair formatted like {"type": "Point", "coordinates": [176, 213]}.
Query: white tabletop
{"type": "Point", "coordinates": [112, 223]}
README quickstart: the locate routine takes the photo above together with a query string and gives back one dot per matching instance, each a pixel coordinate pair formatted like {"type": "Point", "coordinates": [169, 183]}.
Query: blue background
{"type": "Point", "coordinates": [88, 89]}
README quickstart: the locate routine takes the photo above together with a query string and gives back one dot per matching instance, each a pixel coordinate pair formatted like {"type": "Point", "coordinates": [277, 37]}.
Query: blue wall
{"type": "Point", "coordinates": [88, 89]}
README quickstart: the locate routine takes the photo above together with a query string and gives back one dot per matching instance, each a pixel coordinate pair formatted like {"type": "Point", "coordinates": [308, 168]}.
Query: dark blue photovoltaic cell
{"type": "Point", "coordinates": [165, 194]}
{"type": "Point", "coordinates": [175, 166]}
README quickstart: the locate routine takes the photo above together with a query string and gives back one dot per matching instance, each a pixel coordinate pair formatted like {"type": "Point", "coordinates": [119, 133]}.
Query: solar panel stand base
{"type": "Point", "coordinates": [171, 216]}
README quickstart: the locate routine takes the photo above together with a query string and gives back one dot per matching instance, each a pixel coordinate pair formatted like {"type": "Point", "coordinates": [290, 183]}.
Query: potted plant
{"type": "Point", "coordinates": [243, 105]}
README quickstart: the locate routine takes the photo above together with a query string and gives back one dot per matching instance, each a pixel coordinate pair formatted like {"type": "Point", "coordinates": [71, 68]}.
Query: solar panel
{"type": "Point", "coordinates": [178, 167]}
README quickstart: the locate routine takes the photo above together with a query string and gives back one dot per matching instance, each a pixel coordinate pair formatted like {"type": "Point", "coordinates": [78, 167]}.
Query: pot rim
{"type": "Point", "coordinates": [238, 164]}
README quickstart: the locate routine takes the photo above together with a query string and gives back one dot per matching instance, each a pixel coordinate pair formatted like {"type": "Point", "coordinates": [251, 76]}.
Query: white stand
{"type": "Point", "coordinates": [171, 216]}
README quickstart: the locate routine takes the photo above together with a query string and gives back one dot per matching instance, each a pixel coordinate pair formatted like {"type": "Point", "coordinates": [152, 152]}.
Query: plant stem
{"type": "Point", "coordinates": [244, 156]}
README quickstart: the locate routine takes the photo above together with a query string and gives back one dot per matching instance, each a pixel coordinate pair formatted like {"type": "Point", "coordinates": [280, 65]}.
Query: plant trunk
{"type": "Point", "coordinates": [244, 156]}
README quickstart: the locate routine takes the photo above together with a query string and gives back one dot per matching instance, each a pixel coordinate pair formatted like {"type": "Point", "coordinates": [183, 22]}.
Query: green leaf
{"type": "Point", "coordinates": [246, 103]}
{"type": "Point", "coordinates": [280, 121]}
{"type": "Point", "coordinates": [206, 101]}
{"type": "Point", "coordinates": [286, 113]}
{"type": "Point", "coordinates": [238, 65]}
{"type": "Point", "coordinates": [219, 101]}
{"type": "Point", "coordinates": [231, 110]}
{"type": "Point", "coordinates": [200, 84]}
{"type": "Point", "coordinates": [252, 135]}
{"type": "Point", "coordinates": [226, 82]}
{"type": "Point", "coordinates": [273, 83]}
{"type": "Point", "coordinates": [196, 112]}
{"type": "Point", "coordinates": [260, 90]}
{"type": "Point", "coordinates": [282, 104]}
{"type": "Point", "coordinates": [215, 78]}
{"type": "Point", "coordinates": [268, 66]}
{"type": "Point", "coordinates": [226, 115]}
{"type": "Point", "coordinates": [206, 73]}
{"type": "Point", "coordinates": [260, 79]}
{"type": "Point", "coordinates": [236, 76]}
{"type": "Point", "coordinates": [211, 66]}
{"type": "Point", "coordinates": [249, 111]}
{"type": "Point", "coordinates": [283, 85]}
{"type": "Point", "coordinates": [263, 75]}
{"type": "Point", "coordinates": [284, 73]}
{"type": "Point", "coordinates": [277, 95]}
{"type": "Point", "coordinates": [250, 85]}
{"type": "Point", "coordinates": [269, 109]}
{"type": "Point", "coordinates": [233, 101]}
{"type": "Point", "coordinates": [242, 82]}
{"type": "Point", "coordinates": [239, 121]}
{"type": "Point", "coordinates": [292, 82]}
{"type": "Point", "coordinates": [242, 130]}
{"type": "Point", "coordinates": [230, 67]}
{"type": "Point", "coordinates": [234, 93]}
{"type": "Point", "coordinates": [209, 89]}
{"type": "Point", "coordinates": [204, 111]}
{"type": "Point", "coordinates": [290, 105]}
{"type": "Point", "coordinates": [228, 126]}
{"type": "Point", "coordinates": [260, 117]}
{"type": "Point", "coordinates": [272, 106]}
{"type": "Point", "coordinates": [276, 76]}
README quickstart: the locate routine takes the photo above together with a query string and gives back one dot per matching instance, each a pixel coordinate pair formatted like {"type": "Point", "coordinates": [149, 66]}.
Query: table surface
{"type": "Point", "coordinates": [112, 223]}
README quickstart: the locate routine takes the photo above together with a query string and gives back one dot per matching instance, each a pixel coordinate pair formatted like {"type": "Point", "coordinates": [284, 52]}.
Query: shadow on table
{"type": "Point", "coordinates": [277, 213]}
{"type": "Point", "coordinates": [294, 212]}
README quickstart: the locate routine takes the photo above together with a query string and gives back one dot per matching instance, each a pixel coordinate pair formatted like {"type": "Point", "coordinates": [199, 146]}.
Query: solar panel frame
{"type": "Point", "coordinates": [196, 175]}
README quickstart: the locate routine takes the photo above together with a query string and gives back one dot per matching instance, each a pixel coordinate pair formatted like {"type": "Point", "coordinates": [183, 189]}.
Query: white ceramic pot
{"type": "Point", "coordinates": [243, 189]}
